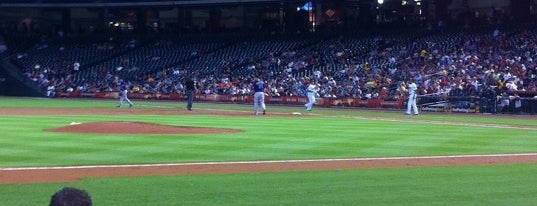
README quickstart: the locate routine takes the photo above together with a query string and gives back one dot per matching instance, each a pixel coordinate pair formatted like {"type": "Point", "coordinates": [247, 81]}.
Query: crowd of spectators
{"type": "Point", "coordinates": [444, 63]}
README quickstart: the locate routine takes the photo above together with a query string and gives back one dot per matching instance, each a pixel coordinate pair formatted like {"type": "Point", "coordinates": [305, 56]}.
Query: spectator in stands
{"type": "Point", "coordinates": [51, 90]}
{"type": "Point", "coordinates": [76, 66]}
{"type": "Point", "coordinates": [460, 64]}
{"type": "Point", "coordinates": [517, 103]}
{"type": "Point", "coordinates": [491, 99]}
{"type": "Point", "coordinates": [504, 102]}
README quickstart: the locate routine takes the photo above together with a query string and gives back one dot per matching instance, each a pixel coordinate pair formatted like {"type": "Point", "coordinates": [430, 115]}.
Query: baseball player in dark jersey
{"type": "Point", "coordinates": [124, 90]}
{"type": "Point", "coordinates": [259, 95]}
{"type": "Point", "coordinates": [191, 87]}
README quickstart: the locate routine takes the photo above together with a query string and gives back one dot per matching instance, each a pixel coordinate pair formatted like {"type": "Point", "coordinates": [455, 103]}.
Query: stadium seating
{"type": "Point", "coordinates": [369, 56]}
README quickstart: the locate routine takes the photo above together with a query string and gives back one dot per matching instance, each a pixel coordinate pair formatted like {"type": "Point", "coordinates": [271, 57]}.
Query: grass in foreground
{"type": "Point", "coordinates": [472, 186]}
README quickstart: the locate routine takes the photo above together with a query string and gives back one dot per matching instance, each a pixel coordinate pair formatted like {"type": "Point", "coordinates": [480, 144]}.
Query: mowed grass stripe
{"type": "Point", "coordinates": [262, 139]}
{"type": "Point", "coordinates": [445, 186]}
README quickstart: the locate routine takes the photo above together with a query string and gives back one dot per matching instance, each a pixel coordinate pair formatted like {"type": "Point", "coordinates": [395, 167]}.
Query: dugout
{"type": "Point", "coordinates": [478, 104]}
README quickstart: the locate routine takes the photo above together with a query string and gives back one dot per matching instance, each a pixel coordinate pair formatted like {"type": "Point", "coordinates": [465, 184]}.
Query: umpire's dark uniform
{"type": "Point", "coordinates": [190, 86]}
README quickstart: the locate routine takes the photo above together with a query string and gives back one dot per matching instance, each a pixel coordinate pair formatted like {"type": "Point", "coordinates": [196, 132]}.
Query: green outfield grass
{"type": "Point", "coordinates": [324, 133]}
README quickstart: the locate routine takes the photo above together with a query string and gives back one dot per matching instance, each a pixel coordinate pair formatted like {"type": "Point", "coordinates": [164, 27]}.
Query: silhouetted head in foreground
{"type": "Point", "coordinates": [69, 196]}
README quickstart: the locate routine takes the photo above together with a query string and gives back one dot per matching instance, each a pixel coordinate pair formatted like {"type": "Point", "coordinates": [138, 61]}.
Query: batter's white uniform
{"type": "Point", "coordinates": [312, 92]}
{"type": "Point", "coordinates": [412, 96]}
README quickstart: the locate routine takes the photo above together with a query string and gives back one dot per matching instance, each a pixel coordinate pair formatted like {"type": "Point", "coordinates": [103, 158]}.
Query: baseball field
{"type": "Point", "coordinates": [158, 153]}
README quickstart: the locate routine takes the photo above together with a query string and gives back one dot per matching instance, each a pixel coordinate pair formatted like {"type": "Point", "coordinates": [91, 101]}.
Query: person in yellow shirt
{"type": "Point", "coordinates": [501, 83]}
{"type": "Point", "coordinates": [423, 54]}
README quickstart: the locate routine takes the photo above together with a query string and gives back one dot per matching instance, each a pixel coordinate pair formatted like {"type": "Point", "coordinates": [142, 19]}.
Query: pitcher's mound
{"type": "Point", "coordinates": [137, 128]}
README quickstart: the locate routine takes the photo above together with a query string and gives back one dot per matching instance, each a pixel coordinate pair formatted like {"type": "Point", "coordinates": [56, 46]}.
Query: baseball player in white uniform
{"type": "Point", "coordinates": [312, 90]}
{"type": "Point", "coordinates": [412, 96]}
